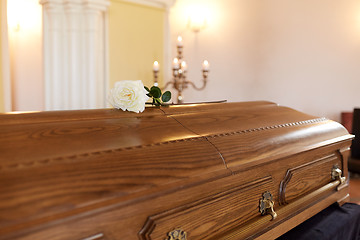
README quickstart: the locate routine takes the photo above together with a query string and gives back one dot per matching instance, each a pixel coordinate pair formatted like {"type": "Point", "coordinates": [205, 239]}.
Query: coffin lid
{"type": "Point", "coordinates": [63, 162]}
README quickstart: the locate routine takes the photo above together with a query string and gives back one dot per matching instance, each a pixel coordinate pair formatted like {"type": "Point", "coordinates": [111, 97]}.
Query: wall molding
{"type": "Point", "coordinates": [154, 3]}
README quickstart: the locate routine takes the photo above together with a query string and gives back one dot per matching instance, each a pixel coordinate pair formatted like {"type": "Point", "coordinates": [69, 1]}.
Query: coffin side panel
{"type": "Point", "coordinates": [69, 185]}
{"type": "Point", "coordinates": [205, 218]}
{"type": "Point", "coordinates": [306, 178]}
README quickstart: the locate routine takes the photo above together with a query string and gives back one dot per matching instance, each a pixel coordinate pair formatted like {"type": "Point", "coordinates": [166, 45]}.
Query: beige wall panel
{"type": "Point", "coordinates": [136, 40]}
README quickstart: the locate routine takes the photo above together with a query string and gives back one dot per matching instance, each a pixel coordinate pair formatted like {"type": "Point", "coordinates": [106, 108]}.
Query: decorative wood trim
{"type": "Point", "coordinates": [270, 127]}
{"type": "Point", "coordinates": [99, 236]}
{"type": "Point", "coordinates": [344, 156]}
{"type": "Point", "coordinates": [297, 212]}
{"type": "Point", "coordinates": [150, 224]}
{"type": "Point", "coordinates": [74, 157]}
{"type": "Point", "coordinates": [290, 172]}
{"type": "Point", "coordinates": [71, 158]}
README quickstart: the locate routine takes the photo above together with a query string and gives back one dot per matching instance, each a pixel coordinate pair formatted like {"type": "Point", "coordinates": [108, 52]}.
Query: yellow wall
{"type": "Point", "coordinates": [136, 34]}
{"type": "Point", "coordinates": [2, 106]}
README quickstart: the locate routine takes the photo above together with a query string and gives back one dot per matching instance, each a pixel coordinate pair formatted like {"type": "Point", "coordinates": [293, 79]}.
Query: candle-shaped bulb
{"type": "Point", "coordinates": [175, 63]}
{"type": "Point", "coordinates": [183, 66]}
{"type": "Point", "coordinates": [156, 66]}
{"type": "Point", "coordinates": [205, 66]}
{"type": "Point", "coordinates": [179, 41]}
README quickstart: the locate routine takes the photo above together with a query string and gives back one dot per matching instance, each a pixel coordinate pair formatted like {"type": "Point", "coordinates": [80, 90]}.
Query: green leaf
{"type": "Point", "coordinates": [155, 92]}
{"type": "Point", "coordinates": [166, 96]}
{"type": "Point", "coordinates": [146, 88]}
{"type": "Point", "coordinates": [157, 100]}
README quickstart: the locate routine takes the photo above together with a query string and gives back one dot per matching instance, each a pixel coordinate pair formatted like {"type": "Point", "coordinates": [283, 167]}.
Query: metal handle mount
{"type": "Point", "coordinates": [336, 174]}
{"type": "Point", "coordinates": [266, 205]}
{"type": "Point", "coordinates": [177, 234]}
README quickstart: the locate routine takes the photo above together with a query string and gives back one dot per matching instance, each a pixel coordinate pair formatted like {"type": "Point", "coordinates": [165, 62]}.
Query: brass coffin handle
{"type": "Point", "coordinates": [177, 234]}
{"type": "Point", "coordinates": [336, 174]}
{"type": "Point", "coordinates": [266, 205]}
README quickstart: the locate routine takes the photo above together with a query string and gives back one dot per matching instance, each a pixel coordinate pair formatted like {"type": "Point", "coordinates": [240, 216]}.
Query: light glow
{"type": "Point", "coordinates": [156, 66]}
{"type": "Point", "coordinates": [23, 14]}
{"type": "Point", "coordinates": [179, 41]}
{"type": "Point", "coordinates": [198, 16]}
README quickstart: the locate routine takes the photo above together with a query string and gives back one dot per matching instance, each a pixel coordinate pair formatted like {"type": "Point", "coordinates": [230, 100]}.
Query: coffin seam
{"type": "Point", "coordinates": [205, 137]}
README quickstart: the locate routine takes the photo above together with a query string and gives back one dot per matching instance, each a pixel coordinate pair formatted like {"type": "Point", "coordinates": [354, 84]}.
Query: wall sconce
{"type": "Point", "coordinates": [197, 23]}
{"type": "Point", "coordinates": [13, 17]}
{"type": "Point", "coordinates": [197, 18]}
{"type": "Point", "coordinates": [28, 17]}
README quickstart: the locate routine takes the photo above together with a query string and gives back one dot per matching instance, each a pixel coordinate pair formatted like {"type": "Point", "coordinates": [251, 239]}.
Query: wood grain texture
{"type": "Point", "coordinates": [21, 144]}
{"type": "Point", "coordinates": [306, 178]}
{"type": "Point", "coordinates": [253, 148]}
{"type": "Point", "coordinates": [76, 174]}
{"type": "Point", "coordinates": [205, 218]}
{"type": "Point", "coordinates": [69, 185]}
{"type": "Point", "coordinates": [254, 229]}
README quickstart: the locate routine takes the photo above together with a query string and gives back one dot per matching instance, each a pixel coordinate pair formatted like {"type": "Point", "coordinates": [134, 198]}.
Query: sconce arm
{"type": "Point", "coordinates": [195, 87]}
{"type": "Point", "coordinates": [167, 84]}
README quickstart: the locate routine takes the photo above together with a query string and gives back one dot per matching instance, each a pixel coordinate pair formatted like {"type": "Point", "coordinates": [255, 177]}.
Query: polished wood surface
{"type": "Point", "coordinates": [299, 181]}
{"type": "Point", "coordinates": [110, 174]}
{"type": "Point", "coordinates": [213, 215]}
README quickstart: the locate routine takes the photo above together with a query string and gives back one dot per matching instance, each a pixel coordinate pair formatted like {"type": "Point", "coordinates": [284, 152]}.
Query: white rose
{"type": "Point", "coordinates": [128, 95]}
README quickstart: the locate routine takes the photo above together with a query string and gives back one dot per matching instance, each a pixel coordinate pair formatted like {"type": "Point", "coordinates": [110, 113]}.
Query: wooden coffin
{"type": "Point", "coordinates": [198, 171]}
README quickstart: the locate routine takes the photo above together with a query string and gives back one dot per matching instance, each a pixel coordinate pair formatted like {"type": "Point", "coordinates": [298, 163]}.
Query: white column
{"type": "Point", "coordinates": [5, 59]}
{"type": "Point", "coordinates": [73, 38]}
{"type": "Point", "coordinates": [95, 32]}
{"type": "Point", "coordinates": [53, 74]}
{"type": "Point", "coordinates": [74, 53]}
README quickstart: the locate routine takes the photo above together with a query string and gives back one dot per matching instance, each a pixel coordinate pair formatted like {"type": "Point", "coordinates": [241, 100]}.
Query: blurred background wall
{"type": "Point", "coordinates": [301, 54]}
